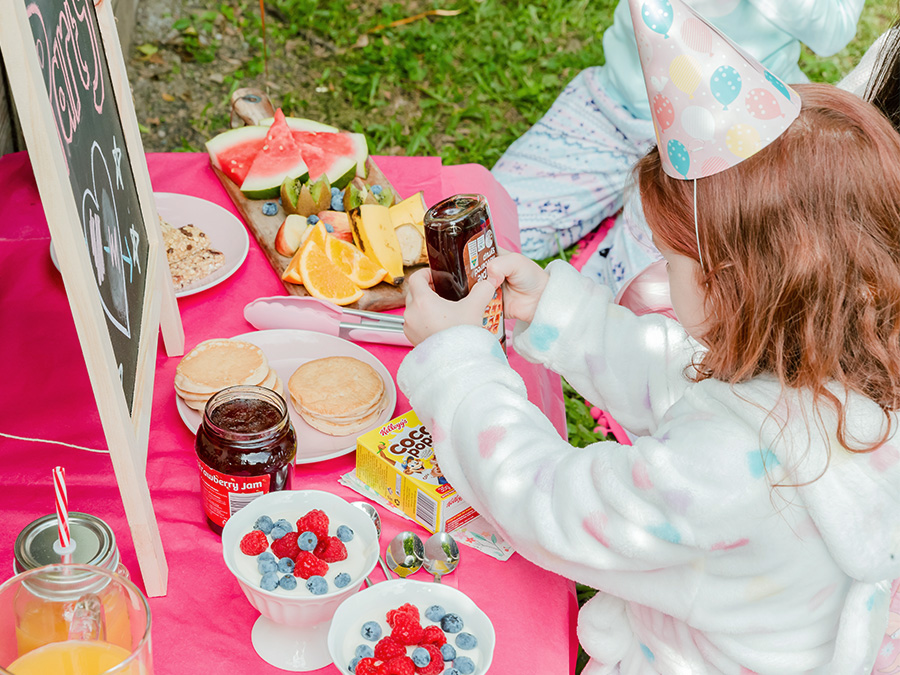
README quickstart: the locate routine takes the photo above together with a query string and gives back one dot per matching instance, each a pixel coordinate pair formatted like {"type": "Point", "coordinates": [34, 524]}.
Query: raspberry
{"type": "Point", "coordinates": [412, 610]}
{"type": "Point", "coordinates": [316, 522]}
{"type": "Point", "coordinates": [433, 635]}
{"type": "Point", "coordinates": [254, 542]}
{"type": "Point", "coordinates": [388, 648]}
{"type": "Point", "coordinates": [401, 665]}
{"type": "Point", "coordinates": [368, 667]}
{"type": "Point", "coordinates": [330, 549]}
{"type": "Point", "coordinates": [436, 665]}
{"type": "Point", "coordinates": [406, 629]}
{"type": "Point", "coordinates": [307, 565]}
{"type": "Point", "coordinates": [286, 546]}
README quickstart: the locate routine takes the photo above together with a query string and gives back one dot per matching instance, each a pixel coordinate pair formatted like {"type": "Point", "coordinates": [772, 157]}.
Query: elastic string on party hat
{"type": "Point", "coordinates": [697, 229]}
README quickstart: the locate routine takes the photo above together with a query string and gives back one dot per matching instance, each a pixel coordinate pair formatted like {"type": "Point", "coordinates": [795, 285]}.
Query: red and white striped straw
{"type": "Point", "coordinates": [62, 506]}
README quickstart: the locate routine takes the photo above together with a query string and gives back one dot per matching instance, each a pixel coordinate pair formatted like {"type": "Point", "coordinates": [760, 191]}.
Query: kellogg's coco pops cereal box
{"type": "Point", "coordinates": [397, 461]}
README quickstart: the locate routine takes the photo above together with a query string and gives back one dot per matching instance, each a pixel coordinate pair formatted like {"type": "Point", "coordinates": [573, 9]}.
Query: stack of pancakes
{"type": "Point", "coordinates": [338, 395]}
{"type": "Point", "coordinates": [214, 365]}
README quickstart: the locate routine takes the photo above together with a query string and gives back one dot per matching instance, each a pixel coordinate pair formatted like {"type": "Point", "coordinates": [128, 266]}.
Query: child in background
{"type": "Point", "coordinates": [569, 171]}
{"type": "Point", "coordinates": [754, 525]}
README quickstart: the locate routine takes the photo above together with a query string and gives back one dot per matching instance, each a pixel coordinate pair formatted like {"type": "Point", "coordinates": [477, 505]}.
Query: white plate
{"type": "Point", "coordinates": [373, 603]}
{"type": "Point", "coordinates": [225, 231]}
{"type": "Point", "coordinates": [286, 350]}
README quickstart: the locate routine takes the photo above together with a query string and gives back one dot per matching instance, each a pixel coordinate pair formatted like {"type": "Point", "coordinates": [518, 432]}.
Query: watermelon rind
{"type": "Point", "coordinates": [269, 187]}
{"type": "Point", "coordinates": [279, 159]}
{"type": "Point", "coordinates": [362, 152]}
{"type": "Point", "coordinates": [243, 143]}
{"type": "Point", "coordinates": [341, 172]}
{"type": "Point", "coordinates": [303, 124]}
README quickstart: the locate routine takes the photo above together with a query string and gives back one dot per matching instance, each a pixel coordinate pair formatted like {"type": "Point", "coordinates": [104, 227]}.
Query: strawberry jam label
{"type": "Point", "coordinates": [224, 495]}
{"type": "Point", "coordinates": [478, 251]}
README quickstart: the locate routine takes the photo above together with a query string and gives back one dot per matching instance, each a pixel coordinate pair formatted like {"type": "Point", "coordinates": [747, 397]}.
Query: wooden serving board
{"type": "Point", "coordinates": [250, 106]}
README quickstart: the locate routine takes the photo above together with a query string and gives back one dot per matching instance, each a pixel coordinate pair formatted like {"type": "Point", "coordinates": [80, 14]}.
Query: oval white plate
{"type": "Point", "coordinates": [225, 231]}
{"type": "Point", "coordinates": [286, 350]}
{"type": "Point", "coordinates": [373, 604]}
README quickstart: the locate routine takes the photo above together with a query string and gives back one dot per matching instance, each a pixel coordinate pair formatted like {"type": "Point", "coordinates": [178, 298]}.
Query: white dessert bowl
{"type": "Point", "coordinates": [374, 602]}
{"type": "Point", "coordinates": [291, 632]}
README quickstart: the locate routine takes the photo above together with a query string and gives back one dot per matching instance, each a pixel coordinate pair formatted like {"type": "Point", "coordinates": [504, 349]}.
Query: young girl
{"type": "Point", "coordinates": [754, 525]}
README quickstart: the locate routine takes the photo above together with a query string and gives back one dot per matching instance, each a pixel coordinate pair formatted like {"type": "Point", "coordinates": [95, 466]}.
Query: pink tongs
{"type": "Point", "coordinates": [308, 313]}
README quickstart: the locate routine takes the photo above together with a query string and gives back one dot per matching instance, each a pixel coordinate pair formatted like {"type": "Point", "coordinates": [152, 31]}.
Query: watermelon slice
{"type": "Point", "coordinates": [233, 151]}
{"type": "Point", "coordinates": [328, 150]}
{"type": "Point", "coordinates": [281, 157]}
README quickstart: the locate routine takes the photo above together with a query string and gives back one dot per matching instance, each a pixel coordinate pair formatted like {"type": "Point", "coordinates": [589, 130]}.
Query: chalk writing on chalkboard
{"type": "Point", "coordinates": [68, 43]}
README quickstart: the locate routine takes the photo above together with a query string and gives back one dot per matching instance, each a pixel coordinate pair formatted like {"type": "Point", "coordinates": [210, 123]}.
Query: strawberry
{"type": "Point", "coordinates": [254, 542]}
{"type": "Point", "coordinates": [307, 565]}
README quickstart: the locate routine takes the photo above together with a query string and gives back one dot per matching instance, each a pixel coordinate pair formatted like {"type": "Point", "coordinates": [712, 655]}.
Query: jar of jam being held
{"type": "Point", "coordinates": [245, 448]}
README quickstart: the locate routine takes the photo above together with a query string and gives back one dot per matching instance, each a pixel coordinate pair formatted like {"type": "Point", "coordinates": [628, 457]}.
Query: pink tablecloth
{"type": "Point", "coordinates": [203, 624]}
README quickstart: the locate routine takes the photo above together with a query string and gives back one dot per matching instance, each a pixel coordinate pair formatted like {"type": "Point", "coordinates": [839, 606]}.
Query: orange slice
{"type": "Point", "coordinates": [354, 263]}
{"type": "Point", "coordinates": [322, 278]}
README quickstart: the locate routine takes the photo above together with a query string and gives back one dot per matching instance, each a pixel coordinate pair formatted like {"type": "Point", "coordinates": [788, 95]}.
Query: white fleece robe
{"type": "Point", "coordinates": [703, 565]}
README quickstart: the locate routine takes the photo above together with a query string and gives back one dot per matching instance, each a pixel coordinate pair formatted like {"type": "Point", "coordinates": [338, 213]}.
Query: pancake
{"type": "Point", "coordinates": [216, 364]}
{"type": "Point", "coordinates": [336, 386]}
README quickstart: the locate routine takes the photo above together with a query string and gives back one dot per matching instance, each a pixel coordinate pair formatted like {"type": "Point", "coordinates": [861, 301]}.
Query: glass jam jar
{"type": "Point", "coordinates": [245, 448]}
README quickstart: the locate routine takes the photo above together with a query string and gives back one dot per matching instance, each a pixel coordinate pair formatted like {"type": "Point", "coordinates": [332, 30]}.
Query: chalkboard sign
{"type": "Point", "coordinates": [67, 77]}
{"type": "Point", "coordinates": [76, 76]}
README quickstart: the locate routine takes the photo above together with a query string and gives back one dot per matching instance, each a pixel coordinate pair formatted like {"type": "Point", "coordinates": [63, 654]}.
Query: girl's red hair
{"type": "Point", "coordinates": [801, 253]}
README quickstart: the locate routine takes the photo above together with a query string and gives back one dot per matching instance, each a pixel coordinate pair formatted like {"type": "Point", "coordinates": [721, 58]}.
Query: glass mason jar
{"type": "Point", "coordinates": [245, 448]}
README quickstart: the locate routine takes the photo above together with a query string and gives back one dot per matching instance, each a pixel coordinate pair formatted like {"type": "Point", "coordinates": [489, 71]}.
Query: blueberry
{"type": "Point", "coordinates": [344, 533]}
{"type": "Point", "coordinates": [270, 209]}
{"type": "Point", "coordinates": [312, 220]}
{"type": "Point", "coordinates": [421, 657]}
{"type": "Point", "coordinates": [377, 189]}
{"type": "Point", "coordinates": [342, 580]}
{"type": "Point", "coordinates": [266, 566]}
{"type": "Point", "coordinates": [334, 191]}
{"type": "Point", "coordinates": [288, 582]}
{"type": "Point", "coordinates": [365, 652]}
{"type": "Point", "coordinates": [352, 665]}
{"type": "Point", "coordinates": [269, 581]}
{"type": "Point", "coordinates": [307, 541]}
{"type": "Point", "coordinates": [266, 555]}
{"type": "Point", "coordinates": [337, 202]}
{"type": "Point", "coordinates": [435, 613]}
{"type": "Point", "coordinates": [452, 671]}
{"type": "Point", "coordinates": [466, 641]}
{"type": "Point", "coordinates": [464, 665]}
{"type": "Point", "coordinates": [448, 652]}
{"type": "Point", "coordinates": [451, 623]}
{"type": "Point", "coordinates": [277, 532]}
{"type": "Point", "coordinates": [263, 523]}
{"type": "Point", "coordinates": [329, 227]}
{"type": "Point", "coordinates": [317, 585]}
{"type": "Point", "coordinates": [286, 565]}
{"type": "Point", "coordinates": [284, 525]}
{"type": "Point", "coordinates": [371, 631]}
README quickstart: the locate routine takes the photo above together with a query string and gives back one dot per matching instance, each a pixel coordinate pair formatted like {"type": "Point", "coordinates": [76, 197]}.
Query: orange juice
{"type": "Point", "coordinates": [41, 621]}
{"type": "Point", "coordinates": [73, 657]}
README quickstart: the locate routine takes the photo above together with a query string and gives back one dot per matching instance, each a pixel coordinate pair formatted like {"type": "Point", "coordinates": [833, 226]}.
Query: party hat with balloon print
{"type": "Point", "coordinates": [713, 105]}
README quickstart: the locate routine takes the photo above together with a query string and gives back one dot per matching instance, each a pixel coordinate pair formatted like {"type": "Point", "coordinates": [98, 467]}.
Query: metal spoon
{"type": "Point", "coordinates": [441, 555]}
{"type": "Point", "coordinates": [405, 554]}
{"type": "Point", "coordinates": [376, 519]}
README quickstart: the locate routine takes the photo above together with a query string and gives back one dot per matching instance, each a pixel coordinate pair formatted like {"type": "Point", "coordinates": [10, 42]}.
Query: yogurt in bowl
{"type": "Point", "coordinates": [291, 632]}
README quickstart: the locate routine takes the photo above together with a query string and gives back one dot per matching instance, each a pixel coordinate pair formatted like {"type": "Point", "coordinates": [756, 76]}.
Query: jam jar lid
{"type": "Point", "coordinates": [94, 539]}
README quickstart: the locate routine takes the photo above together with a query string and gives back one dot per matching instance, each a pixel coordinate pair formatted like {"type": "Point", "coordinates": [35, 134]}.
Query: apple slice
{"type": "Point", "coordinates": [290, 235]}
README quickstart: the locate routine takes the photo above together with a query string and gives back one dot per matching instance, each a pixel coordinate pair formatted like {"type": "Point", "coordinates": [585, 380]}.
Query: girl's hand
{"type": "Point", "coordinates": [524, 281]}
{"type": "Point", "coordinates": [428, 313]}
